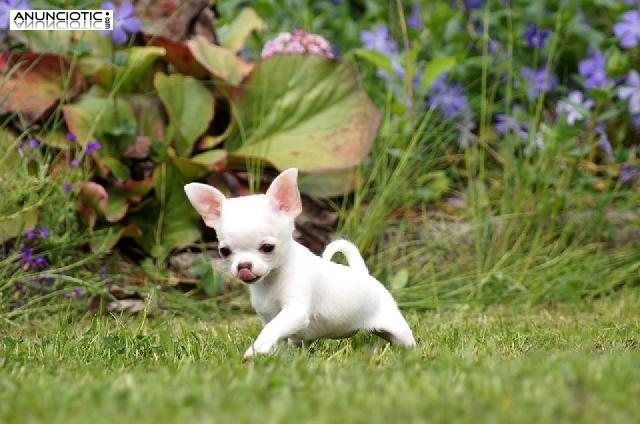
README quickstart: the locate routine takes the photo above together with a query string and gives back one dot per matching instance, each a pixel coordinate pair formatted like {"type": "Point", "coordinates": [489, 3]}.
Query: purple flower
{"type": "Point", "coordinates": [378, 40]}
{"type": "Point", "coordinates": [628, 29]}
{"type": "Point", "coordinates": [8, 5]}
{"type": "Point", "coordinates": [631, 92]}
{"type": "Point", "coordinates": [593, 70]}
{"type": "Point", "coordinates": [78, 292]}
{"type": "Point", "coordinates": [71, 137]}
{"type": "Point", "coordinates": [469, 4]}
{"type": "Point", "coordinates": [505, 124]}
{"type": "Point", "coordinates": [75, 163]}
{"type": "Point", "coordinates": [102, 272]}
{"type": "Point", "coordinates": [629, 173]}
{"type": "Point", "coordinates": [538, 81]}
{"type": "Point", "coordinates": [535, 37]}
{"type": "Point", "coordinates": [68, 187]}
{"type": "Point", "coordinates": [414, 20]}
{"type": "Point", "coordinates": [33, 143]}
{"type": "Point", "coordinates": [124, 21]}
{"type": "Point", "coordinates": [603, 142]}
{"type": "Point", "coordinates": [575, 107]}
{"type": "Point", "coordinates": [44, 233]}
{"type": "Point", "coordinates": [41, 262]}
{"type": "Point", "coordinates": [92, 146]}
{"type": "Point", "coordinates": [450, 100]}
{"type": "Point", "coordinates": [30, 235]}
{"type": "Point", "coordinates": [27, 255]}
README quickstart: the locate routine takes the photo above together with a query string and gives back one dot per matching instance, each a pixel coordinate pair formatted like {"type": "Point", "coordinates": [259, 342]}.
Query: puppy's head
{"type": "Point", "coordinates": [254, 232]}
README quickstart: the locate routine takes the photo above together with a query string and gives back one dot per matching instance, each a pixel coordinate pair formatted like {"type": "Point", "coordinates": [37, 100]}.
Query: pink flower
{"type": "Point", "coordinates": [298, 42]}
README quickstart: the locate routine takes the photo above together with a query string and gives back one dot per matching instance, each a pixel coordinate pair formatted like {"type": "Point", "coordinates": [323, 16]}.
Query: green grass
{"type": "Point", "coordinates": [517, 363]}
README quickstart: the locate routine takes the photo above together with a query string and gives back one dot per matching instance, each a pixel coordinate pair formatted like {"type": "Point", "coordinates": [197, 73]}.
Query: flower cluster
{"type": "Point", "coordinates": [298, 42]}
{"type": "Point", "coordinates": [628, 29]}
{"type": "Point", "coordinates": [450, 101]}
{"type": "Point", "coordinates": [538, 81]}
{"type": "Point", "coordinates": [575, 107]}
{"type": "Point", "coordinates": [593, 69]}
{"type": "Point", "coordinates": [30, 260]}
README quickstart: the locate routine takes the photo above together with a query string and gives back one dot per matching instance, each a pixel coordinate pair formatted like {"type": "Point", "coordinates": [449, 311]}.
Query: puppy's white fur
{"type": "Point", "coordinates": [299, 295]}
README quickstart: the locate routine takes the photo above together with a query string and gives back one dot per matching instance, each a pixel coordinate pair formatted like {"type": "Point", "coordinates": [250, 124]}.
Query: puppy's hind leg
{"type": "Point", "coordinates": [392, 327]}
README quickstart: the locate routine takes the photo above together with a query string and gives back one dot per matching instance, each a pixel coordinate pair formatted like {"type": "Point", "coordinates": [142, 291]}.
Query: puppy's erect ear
{"type": "Point", "coordinates": [207, 201]}
{"type": "Point", "coordinates": [284, 193]}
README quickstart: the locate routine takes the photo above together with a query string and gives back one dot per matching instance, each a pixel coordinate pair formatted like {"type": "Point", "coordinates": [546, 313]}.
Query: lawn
{"type": "Point", "coordinates": [547, 363]}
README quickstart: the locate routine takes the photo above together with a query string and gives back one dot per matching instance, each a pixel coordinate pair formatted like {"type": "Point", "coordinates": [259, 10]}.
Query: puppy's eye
{"type": "Point", "coordinates": [225, 252]}
{"type": "Point", "coordinates": [267, 248]}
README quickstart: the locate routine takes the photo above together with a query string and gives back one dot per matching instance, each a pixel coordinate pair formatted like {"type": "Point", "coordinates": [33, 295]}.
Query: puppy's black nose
{"type": "Point", "coordinates": [244, 265]}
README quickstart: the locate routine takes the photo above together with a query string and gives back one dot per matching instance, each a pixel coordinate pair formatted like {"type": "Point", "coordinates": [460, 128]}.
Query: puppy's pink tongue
{"type": "Point", "coordinates": [246, 275]}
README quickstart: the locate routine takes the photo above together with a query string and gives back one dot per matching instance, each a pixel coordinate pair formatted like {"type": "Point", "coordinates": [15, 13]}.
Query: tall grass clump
{"type": "Point", "coordinates": [517, 219]}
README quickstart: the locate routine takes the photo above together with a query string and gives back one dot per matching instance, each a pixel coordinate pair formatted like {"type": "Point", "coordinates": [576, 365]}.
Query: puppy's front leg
{"type": "Point", "coordinates": [290, 320]}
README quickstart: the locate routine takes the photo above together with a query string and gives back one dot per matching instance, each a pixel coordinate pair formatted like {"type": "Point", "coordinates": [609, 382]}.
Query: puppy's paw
{"type": "Point", "coordinates": [255, 350]}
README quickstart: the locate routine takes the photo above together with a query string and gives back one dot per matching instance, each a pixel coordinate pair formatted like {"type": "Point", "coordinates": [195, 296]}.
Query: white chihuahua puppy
{"type": "Point", "coordinates": [300, 296]}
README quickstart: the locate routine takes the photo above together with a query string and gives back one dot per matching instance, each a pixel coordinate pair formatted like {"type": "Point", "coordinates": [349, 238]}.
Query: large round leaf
{"type": "Point", "coordinates": [303, 111]}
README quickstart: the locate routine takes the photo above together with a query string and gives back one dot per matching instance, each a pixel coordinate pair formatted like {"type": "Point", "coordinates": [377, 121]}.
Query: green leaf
{"type": "Point", "coordinates": [209, 280]}
{"type": "Point", "coordinates": [219, 61]}
{"type": "Point", "coordinates": [432, 186]}
{"type": "Point", "coordinates": [9, 155]}
{"type": "Point", "coordinates": [117, 168]}
{"type": "Point", "coordinates": [400, 280]}
{"type": "Point", "coordinates": [189, 105]}
{"type": "Point", "coordinates": [303, 111]}
{"type": "Point", "coordinates": [63, 42]}
{"type": "Point", "coordinates": [169, 221]}
{"type": "Point", "coordinates": [136, 66]}
{"type": "Point", "coordinates": [105, 239]}
{"type": "Point", "coordinates": [92, 116]}
{"type": "Point", "coordinates": [234, 35]}
{"type": "Point", "coordinates": [434, 69]}
{"type": "Point", "coordinates": [329, 184]}
{"type": "Point", "coordinates": [15, 224]}
{"type": "Point", "coordinates": [211, 158]}
{"type": "Point", "coordinates": [377, 59]}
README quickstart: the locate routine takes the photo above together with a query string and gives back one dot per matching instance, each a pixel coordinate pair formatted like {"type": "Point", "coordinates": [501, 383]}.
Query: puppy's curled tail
{"type": "Point", "coordinates": [350, 251]}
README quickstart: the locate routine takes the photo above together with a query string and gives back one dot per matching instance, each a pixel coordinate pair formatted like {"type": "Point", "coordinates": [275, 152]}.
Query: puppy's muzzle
{"type": "Point", "coordinates": [246, 274]}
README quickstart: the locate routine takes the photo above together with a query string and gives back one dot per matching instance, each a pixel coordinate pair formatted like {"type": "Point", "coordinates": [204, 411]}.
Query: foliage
{"type": "Point", "coordinates": [146, 130]}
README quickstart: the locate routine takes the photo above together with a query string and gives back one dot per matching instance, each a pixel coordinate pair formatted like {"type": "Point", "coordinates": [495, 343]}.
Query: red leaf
{"type": "Point", "coordinates": [32, 84]}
